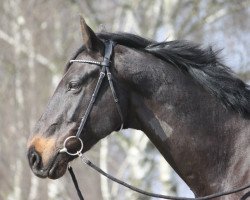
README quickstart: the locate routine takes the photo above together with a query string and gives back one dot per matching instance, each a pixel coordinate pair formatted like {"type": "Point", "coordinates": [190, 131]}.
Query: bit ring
{"type": "Point", "coordinates": [65, 150]}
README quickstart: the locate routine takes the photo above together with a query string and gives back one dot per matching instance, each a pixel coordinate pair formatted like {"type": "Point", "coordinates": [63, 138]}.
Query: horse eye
{"type": "Point", "coordinates": [74, 86]}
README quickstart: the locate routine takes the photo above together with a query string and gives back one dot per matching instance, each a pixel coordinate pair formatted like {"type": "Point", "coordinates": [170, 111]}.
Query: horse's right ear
{"type": "Point", "coordinates": [90, 40]}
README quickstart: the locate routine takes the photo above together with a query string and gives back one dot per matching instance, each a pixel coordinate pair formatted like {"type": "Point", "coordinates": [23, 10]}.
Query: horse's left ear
{"type": "Point", "coordinates": [90, 40]}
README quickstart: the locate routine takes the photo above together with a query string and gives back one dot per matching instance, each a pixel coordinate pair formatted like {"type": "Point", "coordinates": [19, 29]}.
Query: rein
{"type": "Point", "coordinates": [105, 64]}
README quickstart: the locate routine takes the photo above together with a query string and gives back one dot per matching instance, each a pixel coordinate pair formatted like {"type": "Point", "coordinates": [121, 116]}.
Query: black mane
{"type": "Point", "coordinates": [202, 64]}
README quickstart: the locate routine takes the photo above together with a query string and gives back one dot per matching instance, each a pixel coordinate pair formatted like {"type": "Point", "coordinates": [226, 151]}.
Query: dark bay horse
{"type": "Point", "coordinates": [191, 106]}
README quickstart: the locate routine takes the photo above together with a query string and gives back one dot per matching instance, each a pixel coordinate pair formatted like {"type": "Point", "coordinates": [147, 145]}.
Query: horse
{"type": "Point", "coordinates": [191, 106]}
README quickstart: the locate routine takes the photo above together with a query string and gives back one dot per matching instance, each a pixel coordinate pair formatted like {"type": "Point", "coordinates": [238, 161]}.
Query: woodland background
{"type": "Point", "coordinates": [37, 37]}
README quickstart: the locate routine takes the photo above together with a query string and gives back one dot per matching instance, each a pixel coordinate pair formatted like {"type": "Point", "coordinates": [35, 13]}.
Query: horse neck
{"type": "Point", "coordinates": [198, 136]}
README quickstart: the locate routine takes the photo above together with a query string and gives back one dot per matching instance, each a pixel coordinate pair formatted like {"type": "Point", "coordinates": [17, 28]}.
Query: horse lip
{"type": "Point", "coordinates": [42, 173]}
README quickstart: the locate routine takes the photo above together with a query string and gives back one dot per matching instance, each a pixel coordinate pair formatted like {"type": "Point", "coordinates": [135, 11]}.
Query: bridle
{"type": "Point", "coordinates": [105, 65]}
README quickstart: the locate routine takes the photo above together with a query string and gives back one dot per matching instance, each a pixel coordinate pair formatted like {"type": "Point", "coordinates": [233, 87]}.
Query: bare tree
{"type": "Point", "coordinates": [38, 37]}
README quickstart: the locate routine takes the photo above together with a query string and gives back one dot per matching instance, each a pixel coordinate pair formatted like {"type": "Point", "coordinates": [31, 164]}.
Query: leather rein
{"type": "Point", "coordinates": [105, 65]}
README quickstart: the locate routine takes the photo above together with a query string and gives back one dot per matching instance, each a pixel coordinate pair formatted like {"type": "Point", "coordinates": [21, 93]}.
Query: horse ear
{"type": "Point", "coordinates": [90, 40]}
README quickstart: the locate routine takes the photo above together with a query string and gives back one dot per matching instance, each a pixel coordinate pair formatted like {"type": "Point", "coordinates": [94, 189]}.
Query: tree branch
{"type": "Point", "coordinates": [38, 57]}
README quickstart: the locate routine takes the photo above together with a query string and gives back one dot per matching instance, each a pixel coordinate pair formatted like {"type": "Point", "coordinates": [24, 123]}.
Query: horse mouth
{"type": "Point", "coordinates": [57, 165]}
{"type": "Point", "coordinates": [55, 169]}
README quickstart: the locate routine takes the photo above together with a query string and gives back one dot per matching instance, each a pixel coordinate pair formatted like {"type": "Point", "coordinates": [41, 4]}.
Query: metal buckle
{"type": "Point", "coordinates": [65, 150]}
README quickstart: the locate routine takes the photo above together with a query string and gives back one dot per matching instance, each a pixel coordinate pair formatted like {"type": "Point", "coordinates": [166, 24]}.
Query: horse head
{"type": "Point", "coordinates": [64, 112]}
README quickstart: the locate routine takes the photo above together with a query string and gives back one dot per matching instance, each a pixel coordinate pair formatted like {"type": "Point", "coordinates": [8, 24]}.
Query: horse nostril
{"type": "Point", "coordinates": [34, 158]}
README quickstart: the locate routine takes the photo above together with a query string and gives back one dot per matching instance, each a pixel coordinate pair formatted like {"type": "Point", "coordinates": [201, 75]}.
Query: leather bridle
{"type": "Point", "coordinates": [105, 64]}
{"type": "Point", "coordinates": [105, 71]}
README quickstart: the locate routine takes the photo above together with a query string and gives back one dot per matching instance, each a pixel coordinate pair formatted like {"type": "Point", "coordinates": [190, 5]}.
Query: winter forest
{"type": "Point", "coordinates": [38, 37]}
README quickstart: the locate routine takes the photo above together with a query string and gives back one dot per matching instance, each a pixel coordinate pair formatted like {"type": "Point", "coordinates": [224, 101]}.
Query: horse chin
{"type": "Point", "coordinates": [59, 167]}
{"type": "Point", "coordinates": [57, 171]}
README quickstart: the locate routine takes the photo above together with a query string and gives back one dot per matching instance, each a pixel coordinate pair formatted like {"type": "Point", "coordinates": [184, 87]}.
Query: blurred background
{"type": "Point", "coordinates": [37, 38]}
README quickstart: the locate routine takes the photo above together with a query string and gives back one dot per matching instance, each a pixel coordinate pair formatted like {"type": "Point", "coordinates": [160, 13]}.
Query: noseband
{"type": "Point", "coordinates": [105, 65]}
